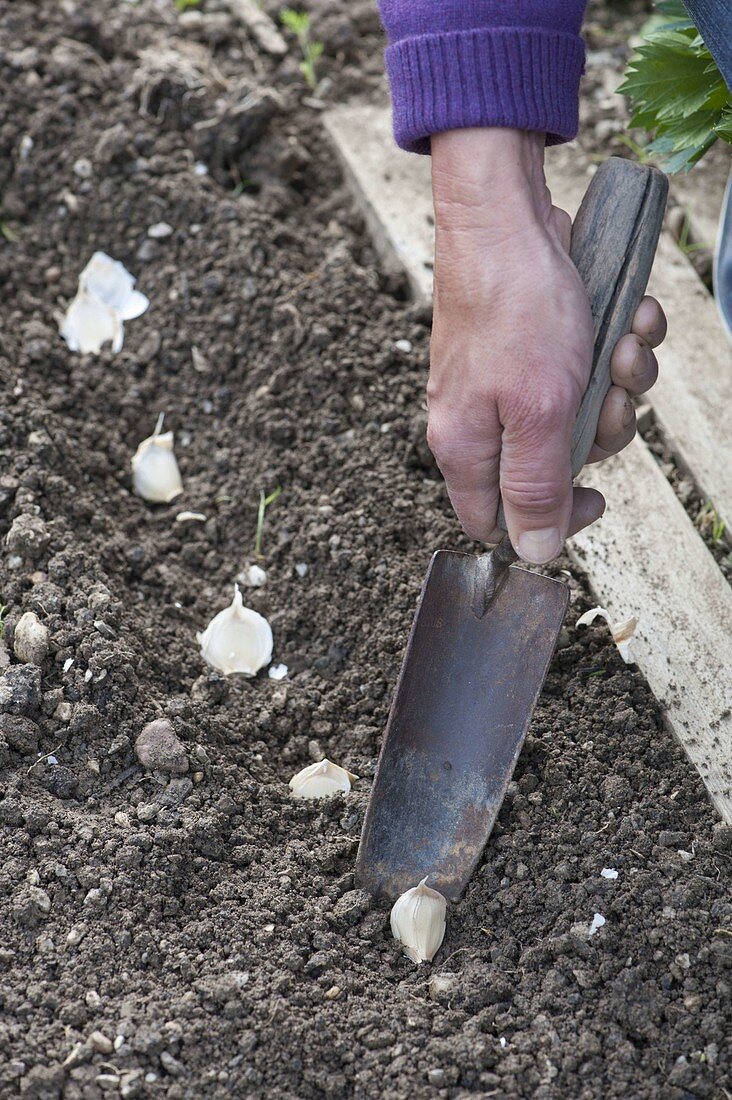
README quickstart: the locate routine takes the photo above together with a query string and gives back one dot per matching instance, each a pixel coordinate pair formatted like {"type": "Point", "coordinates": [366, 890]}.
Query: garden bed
{"type": "Point", "coordinates": [208, 926]}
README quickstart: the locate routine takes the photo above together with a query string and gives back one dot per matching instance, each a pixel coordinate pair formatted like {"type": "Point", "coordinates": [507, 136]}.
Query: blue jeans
{"type": "Point", "coordinates": [713, 19]}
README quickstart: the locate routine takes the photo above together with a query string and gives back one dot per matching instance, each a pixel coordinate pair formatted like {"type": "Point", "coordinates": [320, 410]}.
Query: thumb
{"type": "Point", "coordinates": [536, 480]}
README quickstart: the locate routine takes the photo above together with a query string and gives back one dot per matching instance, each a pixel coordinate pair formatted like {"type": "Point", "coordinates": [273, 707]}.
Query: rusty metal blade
{"type": "Point", "coordinates": [462, 706]}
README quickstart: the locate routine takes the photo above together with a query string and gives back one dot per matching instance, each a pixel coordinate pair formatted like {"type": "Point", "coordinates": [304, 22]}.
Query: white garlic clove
{"type": "Point", "coordinates": [277, 672]}
{"type": "Point", "coordinates": [253, 576]}
{"type": "Point", "coordinates": [418, 922]}
{"type": "Point", "coordinates": [30, 639]}
{"type": "Point", "coordinates": [321, 780]}
{"type": "Point", "coordinates": [237, 639]}
{"type": "Point", "coordinates": [109, 281]}
{"type": "Point", "coordinates": [155, 473]}
{"type": "Point", "coordinates": [622, 632]}
{"type": "Point", "coordinates": [88, 324]}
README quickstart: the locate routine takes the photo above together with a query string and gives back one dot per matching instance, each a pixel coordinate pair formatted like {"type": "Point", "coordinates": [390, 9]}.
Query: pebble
{"type": "Point", "coordinates": [147, 811]}
{"type": "Point", "coordinates": [159, 231]}
{"type": "Point", "coordinates": [30, 639]}
{"type": "Point", "coordinates": [27, 537]}
{"type": "Point", "coordinates": [108, 1081]}
{"type": "Point", "coordinates": [83, 168]}
{"type": "Point", "coordinates": [148, 250]}
{"type": "Point", "coordinates": [40, 899]}
{"type": "Point", "coordinates": [403, 345]}
{"type": "Point", "coordinates": [158, 748]}
{"type": "Point", "coordinates": [100, 1042]}
{"type": "Point", "coordinates": [76, 935]}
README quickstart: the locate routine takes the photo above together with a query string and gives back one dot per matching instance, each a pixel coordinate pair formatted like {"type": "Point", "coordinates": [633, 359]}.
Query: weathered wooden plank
{"type": "Point", "coordinates": [645, 558]}
{"type": "Point", "coordinates": [393, 189]}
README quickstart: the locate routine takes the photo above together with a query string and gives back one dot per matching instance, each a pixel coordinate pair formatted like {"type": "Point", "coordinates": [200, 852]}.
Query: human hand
{"type": "Point", "coordinates": [512, 346]}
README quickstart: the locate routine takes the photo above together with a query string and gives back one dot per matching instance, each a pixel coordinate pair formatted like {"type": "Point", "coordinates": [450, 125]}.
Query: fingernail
{"type": "Point", "coordinates": [639, 363]}
{"type": "Point", "coordinates": [539, 547]}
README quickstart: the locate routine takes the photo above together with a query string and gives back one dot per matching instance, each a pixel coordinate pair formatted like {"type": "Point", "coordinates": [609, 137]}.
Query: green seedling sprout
{"type": "Point", "coordinates": [710, 520]}
{"type": "Point", "coordinates": [264, 503]}
{"type": "Point", "coordinates": [9, 234]}
{"type": "Point", "coordinates": [184, 5]}
{"type": "Point", "coordinates": [299, 23]}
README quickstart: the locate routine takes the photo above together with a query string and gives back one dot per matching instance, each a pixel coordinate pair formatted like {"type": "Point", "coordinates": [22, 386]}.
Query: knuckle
{"type": "Point", "coordinates": [545, 410]}
{"type": "Point", "coordinates": [534, 496]}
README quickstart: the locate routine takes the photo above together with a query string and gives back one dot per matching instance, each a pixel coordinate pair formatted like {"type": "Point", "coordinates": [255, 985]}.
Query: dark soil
{"type": "Point", "coordinates": [201, 935]}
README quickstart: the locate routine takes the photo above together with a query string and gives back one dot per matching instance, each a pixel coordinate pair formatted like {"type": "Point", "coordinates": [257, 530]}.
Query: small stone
{"type": "Point", "coordinates": [159, 231]}
{"type": "Point", "coordinates": [83, 168]}
{"type": "Point", "coordinates": [147, 811]}
{"type": "Point", "coordinates": [436, 1077]}
{"type": "Point", "coordinates": [158, 748]}
{"type": "Point", "coordinates": [403, 345]}
{"type": "Point", "coordinates": [108, 1081]}
{"type": "Point", "coordinates": [99, 1041]}
{"type": "Point", "coordinates": [40, 899]}
{"type": "Point", "coordinates": [27, 537]}
{"type": "Point", "coordinates": [95, 898]}
{"type": "Point", "coordinates": [76, 935]}
{"type": "Point", "coordinates": [171, 1065]}
{"type": "Point", "coordinates": [301, 568]}
{"type": "Point", "coordinates": [122, 819]}
{"type": "Point", "coordinates": [148, 250]}
{"type": "Point", "coordinates": [30, 639]}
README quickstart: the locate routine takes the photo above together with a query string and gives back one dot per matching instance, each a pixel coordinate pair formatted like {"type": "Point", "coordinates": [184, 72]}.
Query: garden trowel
{"type": "Point", "coordinates": [485, 631]}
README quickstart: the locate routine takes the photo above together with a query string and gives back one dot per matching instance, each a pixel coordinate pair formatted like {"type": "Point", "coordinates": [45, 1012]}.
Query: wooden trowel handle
{"type": "Point", "coordinates": [614, 240]}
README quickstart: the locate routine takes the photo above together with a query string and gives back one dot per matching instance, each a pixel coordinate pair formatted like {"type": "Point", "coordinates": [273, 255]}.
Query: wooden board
{"type": "Point", "coordinates": [645, 558]}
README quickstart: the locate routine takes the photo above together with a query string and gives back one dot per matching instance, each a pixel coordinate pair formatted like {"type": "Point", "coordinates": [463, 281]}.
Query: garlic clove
{"type": "Point", "coordinates": [88, 324]}
{"type": "Point", "coordinates": [253, 576]}
{"type": "Point", "coordinates": [155, 473]}
{"type": "Point", "coordinates": [105, 298]}
{"type": "Point", "coordinates": [237, 639]}
{"type": "Point", "coordinates": [622, 633]}
{"type": "Point", "coordinates": [110, 282]}
{"type": "Point", "coordinates": [418, 922]}
{"type": "Point", "coordinates": [321, 780]}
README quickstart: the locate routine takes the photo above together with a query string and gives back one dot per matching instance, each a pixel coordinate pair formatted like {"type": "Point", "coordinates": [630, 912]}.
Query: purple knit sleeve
{"type": "Point", "coordinates": [457, 63]}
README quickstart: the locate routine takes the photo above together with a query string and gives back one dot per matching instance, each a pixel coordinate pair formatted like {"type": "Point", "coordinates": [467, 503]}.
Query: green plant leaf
{"type": "Point", "coordinates": [677, 92]}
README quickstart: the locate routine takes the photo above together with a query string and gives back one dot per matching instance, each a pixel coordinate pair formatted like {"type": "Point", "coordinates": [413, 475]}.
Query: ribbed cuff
{"type": "Point", "coordinates": [524, 78]}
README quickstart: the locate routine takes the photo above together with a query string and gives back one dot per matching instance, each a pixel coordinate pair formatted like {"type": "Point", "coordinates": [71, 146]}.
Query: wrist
{"type": "Point", "coordinates": [490, 177]}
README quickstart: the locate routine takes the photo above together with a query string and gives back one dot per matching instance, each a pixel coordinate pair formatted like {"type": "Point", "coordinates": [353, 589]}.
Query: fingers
{"type": "Point", "coordinates": [633, 365]}
{"type": "Point", "coordinates": [650, 322]}
{"type": "Point", "coordinates": [587, 506]}
{"type": "Point", "coordinates": [470, 470]}
{"type": "Point", "coordinates": [616, 426]}
{"type": "Point", "coordinates": [536, 477]}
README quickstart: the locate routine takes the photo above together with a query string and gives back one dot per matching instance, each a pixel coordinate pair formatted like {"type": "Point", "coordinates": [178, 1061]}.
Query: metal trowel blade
{"type": "Point", "coordinates": [462, 706]}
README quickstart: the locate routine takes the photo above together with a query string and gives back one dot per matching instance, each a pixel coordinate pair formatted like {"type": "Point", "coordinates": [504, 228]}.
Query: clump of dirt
{"type": "Point", "coordinates": [189, 932]}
